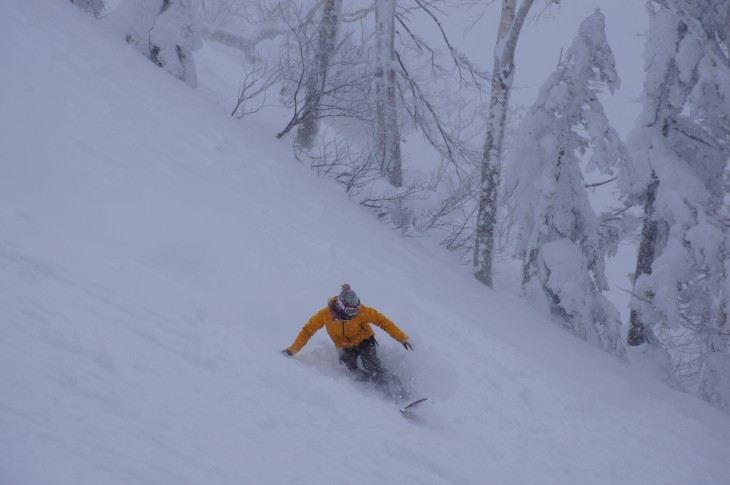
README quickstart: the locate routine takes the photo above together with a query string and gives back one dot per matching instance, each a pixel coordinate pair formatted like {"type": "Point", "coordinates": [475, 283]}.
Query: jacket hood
{"type": "Point", "coordinates": [338, 313]}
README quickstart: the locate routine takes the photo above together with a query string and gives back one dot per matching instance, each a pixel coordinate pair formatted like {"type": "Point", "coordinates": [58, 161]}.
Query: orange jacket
{"type": "Point", "coordinates": [346, 333]}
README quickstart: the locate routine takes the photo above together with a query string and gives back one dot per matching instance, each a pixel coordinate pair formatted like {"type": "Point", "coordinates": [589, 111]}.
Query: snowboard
{"type": "Point", "coordinates": [407, 411]}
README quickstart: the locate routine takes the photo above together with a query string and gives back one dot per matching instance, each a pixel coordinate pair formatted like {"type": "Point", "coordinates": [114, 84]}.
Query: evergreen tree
{"type": "Point", "coordinates": [94, 7]}
{"type": "Point", "coordinates": [174, 37]}
{"type": "Point", "coordinates": [165, 31]}
{"type": "Point", "coordinates": [680, 151]}
{"type": "Point", "coordinates": [559, 242]}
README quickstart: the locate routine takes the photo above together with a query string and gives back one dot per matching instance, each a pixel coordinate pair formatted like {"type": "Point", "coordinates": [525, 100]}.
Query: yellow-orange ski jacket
{"type": "Point", "coordinates": [346, 333]}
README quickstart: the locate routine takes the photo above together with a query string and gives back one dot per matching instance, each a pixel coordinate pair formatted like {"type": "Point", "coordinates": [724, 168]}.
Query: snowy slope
{"type": "Point", "coordinates": [156, 255]}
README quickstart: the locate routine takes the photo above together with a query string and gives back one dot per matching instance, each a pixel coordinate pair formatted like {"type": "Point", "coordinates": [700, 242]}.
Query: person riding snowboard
{"type": "Point", "coordinates": [348, 325]}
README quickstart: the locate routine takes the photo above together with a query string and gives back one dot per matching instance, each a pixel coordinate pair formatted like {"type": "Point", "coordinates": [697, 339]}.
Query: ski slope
{"type": "Point", "coordinates": [156, 255]}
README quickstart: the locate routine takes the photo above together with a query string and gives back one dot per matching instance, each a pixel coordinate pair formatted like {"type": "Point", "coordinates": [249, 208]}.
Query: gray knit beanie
{"type": "Point", "coordinates": [348, 298]}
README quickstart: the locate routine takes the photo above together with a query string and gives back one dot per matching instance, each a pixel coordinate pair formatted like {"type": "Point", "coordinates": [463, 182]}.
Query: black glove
{"type": "Point", "coordinates": [286, 353]}
{"type": "Point", "coordinates": [407, 345]}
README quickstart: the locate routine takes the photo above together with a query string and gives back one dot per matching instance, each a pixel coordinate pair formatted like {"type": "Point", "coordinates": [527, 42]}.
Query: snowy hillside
{"type": "Point", "coordinates": [155, 257]}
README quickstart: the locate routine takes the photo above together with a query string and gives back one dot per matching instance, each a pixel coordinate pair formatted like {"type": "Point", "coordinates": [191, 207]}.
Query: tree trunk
{"type": "Point", "coordinates": [387, 130]}
{"type": "Point", "coordinates": [317, 75]}
{"type": "Point", "coordinates": [639, 332]}
{"type": "Point", "coordinates": [510, 26]}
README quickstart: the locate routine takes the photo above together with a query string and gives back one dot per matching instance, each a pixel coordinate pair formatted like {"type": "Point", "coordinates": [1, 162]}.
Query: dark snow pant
{"type": "Point", "coordinates": [366, 351]}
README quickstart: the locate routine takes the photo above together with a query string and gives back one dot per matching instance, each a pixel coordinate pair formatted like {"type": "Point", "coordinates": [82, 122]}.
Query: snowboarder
{"type": "Point", "coordinates": [348, 325]}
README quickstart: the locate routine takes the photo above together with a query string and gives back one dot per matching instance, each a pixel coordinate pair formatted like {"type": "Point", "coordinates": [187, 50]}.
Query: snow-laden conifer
{"type": "Point", "coordinates": [165, 31]}
{"type": "Point", "coordinates": [94, 7]}
{"type": "Point", "coordinates": [559, 242]}
{"type": "Point", "coordinates": [174, 37]}
{"type": "Point", "coordinates": [680, 150]}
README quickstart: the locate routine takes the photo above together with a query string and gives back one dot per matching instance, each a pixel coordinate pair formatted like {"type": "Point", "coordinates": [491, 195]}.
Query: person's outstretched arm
{"type": "Point", "coordinates": [376, 318]}
{"type": "Point", "coordinates": [309, 329]}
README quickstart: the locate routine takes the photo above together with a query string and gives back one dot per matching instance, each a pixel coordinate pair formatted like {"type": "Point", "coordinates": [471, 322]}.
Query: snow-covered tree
{"type": "Point", "coordinates": [165, 31]}
{"type": "Point", "coordinates": [387, 128]}
{"type": "Point", "coordinates": [359, 79]}
{"type": "Point", "coordinates": [513, 16]}
{"type": "Point", "coordinates": [559, 241]}
{"type": "Point", "coordinates": [714, 375]}
{"type": "Point", "coordinates": [374, 80]}
{"type": "Point", "coordinates": [94, 7]}
{"type": "Point", "coordinates": [680, 152]}
{"type": "Point", "coordinates": [316, 83]}
{"type": "Point", "coordinates": [174, 37]}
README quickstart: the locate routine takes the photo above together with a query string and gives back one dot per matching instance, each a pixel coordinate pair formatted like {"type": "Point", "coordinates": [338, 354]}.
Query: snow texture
{"type": "Point", "coordinates": [156, 255]}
